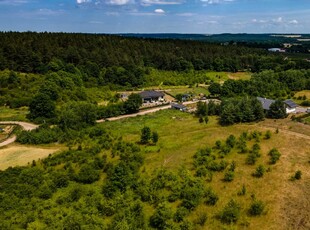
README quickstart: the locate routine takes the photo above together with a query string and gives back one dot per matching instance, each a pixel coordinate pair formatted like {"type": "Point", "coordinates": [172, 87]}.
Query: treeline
{"type": "Point", "coordinates": [265, 84]}
{"type": "Point", "coordinates": [90, 53]}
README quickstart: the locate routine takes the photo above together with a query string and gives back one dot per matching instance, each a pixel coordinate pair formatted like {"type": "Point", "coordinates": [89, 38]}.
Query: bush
{"type": "Point", "coordinates": [260, 171]}
{"type": "Point", "coordinates": [210, 197]}
{"type": "Point", "coordinates": [251, 159]}
{"type": "Point", "coordinates": [242, 192]}
{"type": "Point", "coordinates": [180, 214]}
{"type": "Point", "coordinates": [274, 155]}
{"type": "Point", "coordinates": [201, 219]}
{"type": "Point", "coordinates": [256, 208]}
{"type": "Point", "coordinates": [268, 135]}
{"type": "Point", "coordinates": [231, 141]}
{"type": "Point", "coordinates": [229, 176]}
{"type": "Point", "coordinates": [87, 175]}
{"type": "Point", "coordinates": [231, 213]}
{"type": "Point", "coordinates": [297, 175]}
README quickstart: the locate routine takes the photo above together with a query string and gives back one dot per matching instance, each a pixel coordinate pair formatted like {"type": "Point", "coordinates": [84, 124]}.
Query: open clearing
{"type": "Point", "coordinates": [18, 155]}
{"type": "Point", "coordinates": [13, 114]}
{"type": "Point", "coordinates": [287, 203]}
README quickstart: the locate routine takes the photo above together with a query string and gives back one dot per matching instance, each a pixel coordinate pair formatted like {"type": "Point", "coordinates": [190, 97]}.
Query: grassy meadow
{"type": "Point", "coordinates": [7, 114]}
{"type": "Point", "coordinates": [181, 135]}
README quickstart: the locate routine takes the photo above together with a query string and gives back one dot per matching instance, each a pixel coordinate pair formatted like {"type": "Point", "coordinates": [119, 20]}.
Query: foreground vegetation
{"type": "Point", "coordinates": [108, 179]}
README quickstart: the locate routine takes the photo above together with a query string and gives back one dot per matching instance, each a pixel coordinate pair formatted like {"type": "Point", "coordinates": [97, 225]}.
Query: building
{"type": "Point", "coordinates": [152, 96]}
{"type": "Point", "coordinates": [180, 107]}
{"type": "Point", "coordinates": [290, 106]}
{"type": "Point", "coordinates": [276, 50]}
{"type": "Point", "coordinates": [265, 102]}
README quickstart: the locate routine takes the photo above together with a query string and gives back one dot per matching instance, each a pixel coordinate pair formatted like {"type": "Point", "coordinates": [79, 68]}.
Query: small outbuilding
{"type": "Point", "coordinates": [152, 96]}
{"type": "Point", "coordinates": [180, 107]}
{"type": "Point", "coordinates": [290, 106]}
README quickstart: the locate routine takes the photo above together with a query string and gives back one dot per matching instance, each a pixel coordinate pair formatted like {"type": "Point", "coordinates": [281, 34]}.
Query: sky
{"type": "Point", "coordinates": [156, 16]}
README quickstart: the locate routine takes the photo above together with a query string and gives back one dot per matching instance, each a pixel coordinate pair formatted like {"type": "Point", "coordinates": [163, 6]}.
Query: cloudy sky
{"type": "Point", "coordinates": [156, 16]}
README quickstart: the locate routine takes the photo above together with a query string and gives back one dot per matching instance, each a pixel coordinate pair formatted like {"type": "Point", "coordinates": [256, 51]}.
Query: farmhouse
{"type": "Point", "coordinates": [152, 96]}
{"type": "Point", "coordinates": [265, 102]}
{"type": "Point", "coordinates": [180, 107]}
{"type": "Point", "coordinates": [290, 106]}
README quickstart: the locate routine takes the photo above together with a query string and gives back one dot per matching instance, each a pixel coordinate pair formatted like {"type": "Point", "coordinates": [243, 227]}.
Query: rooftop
{"type": "Point", "coordinates": [151, 94]}
{"type": "Point", "coordinates": [265, 102]}
{"type": "Point", "coordinates": [290, 103]}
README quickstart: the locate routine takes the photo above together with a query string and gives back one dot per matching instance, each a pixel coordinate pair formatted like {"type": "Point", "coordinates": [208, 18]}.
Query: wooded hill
{"type": "Point", "coordinates": [40, 52]}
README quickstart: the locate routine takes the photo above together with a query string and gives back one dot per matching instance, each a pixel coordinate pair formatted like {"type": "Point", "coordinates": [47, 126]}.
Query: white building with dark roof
{"type": "Point", "coordinates": [290, 106]}
{"type": "Point", "coordinates": [152, 96]}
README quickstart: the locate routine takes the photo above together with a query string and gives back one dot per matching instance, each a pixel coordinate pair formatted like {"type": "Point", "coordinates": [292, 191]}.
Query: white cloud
{"type": "Point", "coordinates": [108, 2]}
{"type": "Point", "coordinates": [293, 22]}
{"type": "Point", "coordinates": [118, 2]}
{"type": "Point", "coordinates": [161, 2]}
{"type": "Point", "coordinates": [213, 2]}
{"type": "Point", "coordinates": [159, 11]}
{"type": "Point", "coordinates": [13, 2]}
{"type": "Point", "coordinates": [82, 1]}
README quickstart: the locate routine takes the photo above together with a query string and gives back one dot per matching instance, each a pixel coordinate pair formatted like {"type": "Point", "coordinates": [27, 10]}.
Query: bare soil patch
{"type": "Point", "coordinates": [18, 155]}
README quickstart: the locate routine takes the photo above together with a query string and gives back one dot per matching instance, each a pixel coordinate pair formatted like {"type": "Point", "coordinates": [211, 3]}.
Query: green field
{"type": "Point", "coordinates": [7, 114]}
{"type": "Point", "coordinates": [195, 91]}
{"type": "Point", "coordinates": [181, 135]}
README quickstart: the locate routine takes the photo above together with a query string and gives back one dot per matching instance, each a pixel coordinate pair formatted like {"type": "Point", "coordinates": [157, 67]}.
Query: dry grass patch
{"type": "Point", "coordinates": [18, 155]}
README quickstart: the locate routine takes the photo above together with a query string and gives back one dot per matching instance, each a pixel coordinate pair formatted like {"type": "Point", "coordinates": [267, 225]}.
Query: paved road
{"type": "Point", "coordinates": [25, 125]}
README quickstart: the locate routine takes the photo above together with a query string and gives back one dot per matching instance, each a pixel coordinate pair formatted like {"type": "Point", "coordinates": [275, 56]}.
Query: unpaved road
{"type": "Point", "coordinates": [25, 125]}
{"type": "Point", "coordinates": [144, 112]}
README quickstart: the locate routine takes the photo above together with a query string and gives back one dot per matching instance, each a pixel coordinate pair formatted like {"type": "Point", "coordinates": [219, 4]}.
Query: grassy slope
{"type": "Point", "coordinates": [7, 114]}
{"type": "Point", "coordinates": [181, 135]}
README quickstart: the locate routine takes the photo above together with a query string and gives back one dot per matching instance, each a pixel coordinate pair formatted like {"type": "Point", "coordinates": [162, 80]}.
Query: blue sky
{"type": "Point", "coordinates": [156, 16]}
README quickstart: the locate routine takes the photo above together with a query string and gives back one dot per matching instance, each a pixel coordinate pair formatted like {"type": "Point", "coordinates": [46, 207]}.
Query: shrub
{"type": "Point", "coordinates": [206, 119]}
{"type": "Point", "coordinates": [161, 217]}
{"type": "Point", "coordinates": [251, 159]}
{"type": "Point", "coordinates": [297, 175]}
{"type": "Point", "coordinates": [202, 218]}
{"type": "Point", "coordinates": [180, 214]}
{"type": "Point", "coordinates": [231, 213]}
{"type": "Point", "coordinates": [242, 192]}
{"type": "Point", "coordinates": [231, 141]}
{"type": "Point", "coordinates": [274, 155]}
{"type": "Point", "coordinates": [268, 134]}
{"type": "Point", "coordinates": [229, 176]}
{"type": "Point", "coordinates": [260, 171]}
{"type": "Point", "coordinates": [256, 208]}
{"type": "Point", "coordinates": [210, 197]}
{"type": "Point", "coordinates": [145, 135]}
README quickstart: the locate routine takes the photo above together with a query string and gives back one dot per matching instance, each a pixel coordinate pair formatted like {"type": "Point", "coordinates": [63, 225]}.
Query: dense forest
{"type": "Point", "coordinates": [41, 52]}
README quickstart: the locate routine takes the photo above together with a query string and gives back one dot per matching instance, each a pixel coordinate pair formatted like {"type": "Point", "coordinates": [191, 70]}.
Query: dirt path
{"type": "Point", "coordinates": [25, 125]}
{"type": "Point", "coordinates": [144, 112]}
{"type": "Point", "coordinates": [8, 141]}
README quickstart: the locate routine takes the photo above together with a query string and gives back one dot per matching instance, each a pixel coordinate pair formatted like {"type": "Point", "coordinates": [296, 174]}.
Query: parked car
{"type": "Point", "coordinates": [308, 110]}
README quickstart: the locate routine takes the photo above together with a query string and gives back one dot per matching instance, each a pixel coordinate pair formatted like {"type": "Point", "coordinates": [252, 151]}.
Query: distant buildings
{"type": "Point", "coordinates": [180, 107]}
{"type": "Point", "coordinates": [265, 102]}
{"type": "Point", "coordinates": [152, 96]}
{"type": "Point", "coordinates": [290, 106]}
{"type": "Point", "coordinates": [279, 50]}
